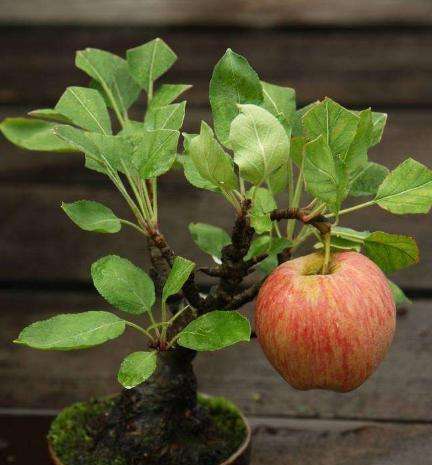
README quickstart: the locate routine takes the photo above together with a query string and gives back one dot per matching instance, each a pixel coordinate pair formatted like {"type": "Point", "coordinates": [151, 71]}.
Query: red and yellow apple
{"type": "Point", "coordinates": [326, 331]}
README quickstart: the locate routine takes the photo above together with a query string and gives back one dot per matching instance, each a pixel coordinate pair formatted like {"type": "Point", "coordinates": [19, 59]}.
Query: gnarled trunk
{"type": "Point", "coordinates": [146, 420]}
{"type": "Point", "coordinates": [160, 422]}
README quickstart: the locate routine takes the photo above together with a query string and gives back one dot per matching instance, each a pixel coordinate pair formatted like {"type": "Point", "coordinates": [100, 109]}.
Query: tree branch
{"type": "Point", "coordinates": [214, 272]}
{"type": "Point", "coordinates": [162, 257]}
{"type": "Point", "coordinates": [319, 221]}
{"type": "Point", "coordinates": [233, 268]}
{"type": "Point", "coordinates": [246, 296]}
{"type": "Point", "coordinates": [228, 293]}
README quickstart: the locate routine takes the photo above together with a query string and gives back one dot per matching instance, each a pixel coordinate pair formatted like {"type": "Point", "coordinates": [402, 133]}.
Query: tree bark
{"type": "Point", "coordinates": [147, 424]}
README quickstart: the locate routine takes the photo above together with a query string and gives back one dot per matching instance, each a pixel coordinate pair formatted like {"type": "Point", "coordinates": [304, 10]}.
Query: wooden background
{"type": "Point", "coordinates": [362, 53]}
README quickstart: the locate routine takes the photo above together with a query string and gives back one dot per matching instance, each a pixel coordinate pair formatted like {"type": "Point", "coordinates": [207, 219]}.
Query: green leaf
{"type": "Point", "coordinates": [345, 239]}
{"type": "Point", "coordinates": [263, 203]}
{"type": "Point", "coordinates": [193, 176]}
{"type": "Point", "coordinates": [259, 246]}
{"type": "Point", "coordinates": [99, 149]}
{"type": "Point", "coordinates": [85, 108]}
{"type": "Point", "coordinates": [92, 216]}
{"type": "Point", "coordinates": [268, 265]}
{"type": "Point", "coordinates": [187, 139]}
{"type": "Point", "coordinates": [261, 222]}
{"type": "Point", "coordinates": [112, 77]}
{"type": "Point", "coordinates": [356, 156]}
{"type": "Point", "coordinates": [398, 295]}
{"type": "Point", "coordinates": [209, 238]}
{"type": "Point", "coordinates": [215, 330]}
{"type": "Point", "coordinates": [341, 243]}
{"type": "Point", "coordinates": [379, 121]}
{"type": "Point", "coordinates": [407, 189]}
{"type": "Point", "coordinates": [137, 368]}
{"type": "Point", "coordinates": [32, 134]}
{"type": "Point", "coordinates": [123, 285]}
{"type": "Point", "coordinates": [297, 150]}
{"type": "Point", "coordinates": [324, 174]}
{"type": "Point", "coordinates": [334, 123]}
{"type": "Point", "coordinates": [233, 82]}
{"type": "Point", "coordinates": [279, 244]}
{"type": "Point", "coordinates": [149, 61]}
{"type": "Point", "coordinates": [180, 272]}
{"type": "Point", "coordinates": [260, 143]}
{"type": "Point", "coordinates": [156, 152]}
{"type": "Point", "coordinates": [112, 150]}
{"type": "Point", "coordinates": [132, 129]}
{"type": "Point", "coordinates": [190, 171]}
{"type": "Point", "coordinates": [267, 245]}
{"type": "Point", "coordinates": [278, 181]}
{"type": "Point", "coordinates": [348, 233]}
{"type": "Point", "coordinates": [78, 139]}
{"type": "Point", "coordinates": [391, 252]}
{"type": "Point", "coordinates": [166, 94]}
{"type": "Point", "coordinates": [297, 123]}
{"type": "Point", "coordinates": [262, 200]}
{"type": "Point", "coordinates": [368, 180]}
{"type": "Point", "coordinates": [166, 117]}
{"type": "Point", "coordinates": [280, 102]}
{"type": "Point", "coordinates": [211, 161]}
{"type": "Point", "coordinates": [48, 114]}
{"type": "Point", "coordinates": [86, 143]}
{"type": "Point", "coordinates": [72, 331]}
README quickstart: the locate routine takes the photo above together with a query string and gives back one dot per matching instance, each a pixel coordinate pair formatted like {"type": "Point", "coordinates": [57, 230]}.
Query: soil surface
{"type": "Point", "coordinates": [74, 435]}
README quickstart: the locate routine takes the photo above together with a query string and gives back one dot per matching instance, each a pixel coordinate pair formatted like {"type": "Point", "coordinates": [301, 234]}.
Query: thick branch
{"type": "Point", "coordinates": [162, 257]}
{"type": "Point", "coordinates": [319, 221]}
{"type": "Point", "coordinates": [246, 296]}
{"type": "Point", "coordinates": [233, 268]}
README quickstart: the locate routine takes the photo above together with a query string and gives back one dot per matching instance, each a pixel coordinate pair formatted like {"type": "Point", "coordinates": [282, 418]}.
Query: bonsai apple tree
{"type": "Point", "coordinates": [324, 320]}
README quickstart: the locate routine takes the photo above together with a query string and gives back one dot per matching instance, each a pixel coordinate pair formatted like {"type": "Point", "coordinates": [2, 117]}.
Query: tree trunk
{"type": "Point", "coordinates": [153, 423]}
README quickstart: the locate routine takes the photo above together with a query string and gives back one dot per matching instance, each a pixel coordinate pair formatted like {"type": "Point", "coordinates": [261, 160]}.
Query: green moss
{"type": "Point", "coordinates": [72, 434]}
{"type": "Point", "coordinates": [226, 417]}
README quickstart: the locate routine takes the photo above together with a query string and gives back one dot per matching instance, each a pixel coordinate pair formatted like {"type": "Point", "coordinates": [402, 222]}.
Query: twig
{"type": "Point", "coordinates": [214, 272]}
{"type": "Point", "coordinates": [319, 221]}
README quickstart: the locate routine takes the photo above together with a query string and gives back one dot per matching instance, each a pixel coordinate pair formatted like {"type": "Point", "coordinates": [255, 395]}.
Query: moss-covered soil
{"type": "Point", "coordinates": [74, 434]}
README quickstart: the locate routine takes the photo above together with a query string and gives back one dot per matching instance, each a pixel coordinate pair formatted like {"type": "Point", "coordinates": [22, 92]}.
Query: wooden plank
{"type": "Point", "coordinates": [285, 442]}
{"type": "Point", "coordinates": [238, 12]}
{"type": "Point", "coordinates": [358, 67]}
{"type": "Point", "coordinates": [399, 390]}
{"type": "Point", "coordinates": [312, 442]}
{"type": "Point", "coordinates": [39, 243]}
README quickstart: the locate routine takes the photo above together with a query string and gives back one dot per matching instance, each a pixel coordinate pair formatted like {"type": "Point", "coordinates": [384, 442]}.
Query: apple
{"type": "Point", "coordinates": [326, 331]}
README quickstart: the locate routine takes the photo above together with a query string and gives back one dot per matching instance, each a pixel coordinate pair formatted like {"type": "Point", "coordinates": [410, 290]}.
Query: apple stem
{"type": "Point", "coordinates": [326, 242]}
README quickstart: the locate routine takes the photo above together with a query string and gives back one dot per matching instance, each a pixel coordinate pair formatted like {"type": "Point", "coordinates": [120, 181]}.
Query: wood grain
{"type": "Point", "coordinates": [400, 389]}
{"type": "Point", "coordinates": [210, 12]}
{"type": "Point", "coordinates": [279, 441]}
{"type": "Point", "coordinates": [358, 67]}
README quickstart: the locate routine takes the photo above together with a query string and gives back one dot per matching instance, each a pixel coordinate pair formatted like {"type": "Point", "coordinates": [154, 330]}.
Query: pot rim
{"type": "Point", "coordinates": [243, 448]}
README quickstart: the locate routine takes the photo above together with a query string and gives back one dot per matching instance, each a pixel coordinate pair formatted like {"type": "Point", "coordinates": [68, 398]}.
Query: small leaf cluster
{"type": "Point", "coordinates": [130, 290]}
{"type": "Point", "coordinates": [264, 146]}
